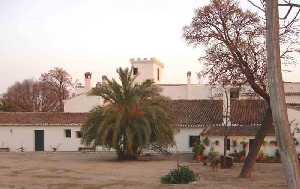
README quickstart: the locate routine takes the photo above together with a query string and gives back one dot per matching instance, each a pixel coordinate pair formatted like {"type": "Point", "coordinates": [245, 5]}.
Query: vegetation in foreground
{"type": "Point", "coordinates": [180, 175]}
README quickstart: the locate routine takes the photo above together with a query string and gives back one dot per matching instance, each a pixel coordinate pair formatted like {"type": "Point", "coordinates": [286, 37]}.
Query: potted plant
{"type": "Point", "coordinates": [198, 150]}
{"type": "Point", "coordinates": [242, 155]}
{"type": "Point", "coordinates": [206, 141]}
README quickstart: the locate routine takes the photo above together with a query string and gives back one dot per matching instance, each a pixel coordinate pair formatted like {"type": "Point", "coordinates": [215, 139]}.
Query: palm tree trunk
{"type": "Point", "coordinates": [278, 103]}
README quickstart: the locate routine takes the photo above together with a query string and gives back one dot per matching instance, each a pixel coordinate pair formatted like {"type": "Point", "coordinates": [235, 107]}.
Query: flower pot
{"type": "Point", "coordinates": [199, 157]}
{"type": "Point", "coordinates": [242, 158]}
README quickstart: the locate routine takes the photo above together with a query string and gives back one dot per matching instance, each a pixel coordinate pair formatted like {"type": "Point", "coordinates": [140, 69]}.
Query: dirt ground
{"type": "Point", "coordinates": [62, 170]}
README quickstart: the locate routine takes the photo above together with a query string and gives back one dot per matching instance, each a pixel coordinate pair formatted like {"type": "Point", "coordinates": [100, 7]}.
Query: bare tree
{"type": "Point", "coordinates": [19, 96]}
{"type": "Point", "coordinates": [234, 40]}
{"type": "Point", "coordinates": [59, 81]}
{"type": "Point", "coordinates": [29, 96]}
{"type": "Point", "coordinates": [38, 96]}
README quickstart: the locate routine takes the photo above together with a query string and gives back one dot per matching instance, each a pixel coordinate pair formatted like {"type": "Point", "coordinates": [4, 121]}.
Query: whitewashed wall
{"type": "Point", "coordinates": [182, 138]}
{"type": "Point", "coordinates": [15, 137]}
{"type": "Point", "coordinates": [185, 91]}
{"type": "Point", "coordinates": [291, 87]}
{"type": "Point", "coordinates": [81, 103]}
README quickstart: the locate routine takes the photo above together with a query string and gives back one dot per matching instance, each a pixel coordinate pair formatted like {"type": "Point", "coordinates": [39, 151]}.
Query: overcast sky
{"type": "Point", "coordinates": [96, 36]}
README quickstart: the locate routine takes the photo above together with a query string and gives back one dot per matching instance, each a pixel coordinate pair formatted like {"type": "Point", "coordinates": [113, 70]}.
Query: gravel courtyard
{"type": "Point", "coordinates": [99, 171]}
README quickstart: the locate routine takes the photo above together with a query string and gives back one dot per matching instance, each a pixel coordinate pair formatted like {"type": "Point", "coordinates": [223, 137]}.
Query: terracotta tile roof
{"type": "Point", "coordinates": [295, 106]}
{"type": "Point", "coordinates": [292, 94]}
{"type": "Point", "coordinates": [247, 112]}
{"type": "Point", "coordinates": [200, 113]}
{"type": "Point", "coordinates": [45, 118]}
{"type": "Point", "coordinates": [197, 113]}
{"type": "Point", "coordinates": [187, 113]}
{"type": "Point", "coordinates": [245, 130]}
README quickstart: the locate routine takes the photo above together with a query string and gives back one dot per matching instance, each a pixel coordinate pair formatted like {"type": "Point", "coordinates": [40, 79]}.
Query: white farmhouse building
{"type": "Point", "coordinates": [47, 131]}
{"type": "Point", "coordinates": [199, 109]}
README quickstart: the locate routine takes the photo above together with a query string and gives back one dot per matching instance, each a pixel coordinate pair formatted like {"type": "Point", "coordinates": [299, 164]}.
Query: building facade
{"type": "Point", "coordinates": [201, 111]}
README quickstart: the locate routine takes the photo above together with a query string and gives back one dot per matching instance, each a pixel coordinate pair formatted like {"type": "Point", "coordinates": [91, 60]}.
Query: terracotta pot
{"type": "Point", "coordinates": [199, 157]}
{"type": "Point", "coordinates": [242, 158]}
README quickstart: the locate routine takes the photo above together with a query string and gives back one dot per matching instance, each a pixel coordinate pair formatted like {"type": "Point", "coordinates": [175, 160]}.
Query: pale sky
{"type": "Point", "coordinates": [96, 36]}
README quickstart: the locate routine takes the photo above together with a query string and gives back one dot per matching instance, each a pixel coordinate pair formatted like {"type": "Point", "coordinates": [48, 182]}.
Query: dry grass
{"type": "Point", "coordinates": [99, 171]}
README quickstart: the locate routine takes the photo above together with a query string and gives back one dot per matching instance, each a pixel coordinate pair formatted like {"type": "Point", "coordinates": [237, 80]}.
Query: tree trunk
{"type": "Point", "coordinates": [253, 150]}
{"type": "Point", "coordinates": [278, 104]}
{"type": "Point", "coordinates": [225, 151]}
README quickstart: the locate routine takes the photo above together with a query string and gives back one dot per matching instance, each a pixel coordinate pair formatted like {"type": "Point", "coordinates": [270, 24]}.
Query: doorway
{"type": "Point", "coordinates": [39, 140]}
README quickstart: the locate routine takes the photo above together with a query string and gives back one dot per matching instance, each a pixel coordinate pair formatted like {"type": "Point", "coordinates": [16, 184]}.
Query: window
{"type": "Point", "coordinates": [78, 134]}
{"type": "Point", "coordinates": [68, 133]}
{"type": "Point", "coordinates": [194, 140]}
{"type": "Point", "coordinates": [135, 71]}
{"type": "Point", "coordinates": [228, 144]}
{"type": "Point", "coordinates": [234, 93]}
{"type": "Point", "coordinates": [157, 74]}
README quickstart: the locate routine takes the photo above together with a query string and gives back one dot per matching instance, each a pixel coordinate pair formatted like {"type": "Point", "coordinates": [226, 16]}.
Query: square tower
{"type": "Point", "coordinates": [147, 69]}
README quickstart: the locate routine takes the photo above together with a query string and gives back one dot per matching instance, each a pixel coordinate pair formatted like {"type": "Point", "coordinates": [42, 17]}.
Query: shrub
{"type": "Point", "coordinates": [181, 175]}
{"type": "Point", "coordinates": [198, 149]}
{"type": "Point", "coordinates": [206, 141]}
{"type": "Point", "coordinates": [212, 153]}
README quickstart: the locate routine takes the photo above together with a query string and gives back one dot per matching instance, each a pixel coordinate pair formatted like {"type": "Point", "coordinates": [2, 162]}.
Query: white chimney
{"type": "Point", "coordinates": [103, 79]}
{"type": "Point", "coordinates": [87, 80]}
{"type": "Point", "coordinates": [226, 105]}
{"type": "Point", "coordinates": [188, 90]}
{"type": "Point", "coordinates": [188, 76]}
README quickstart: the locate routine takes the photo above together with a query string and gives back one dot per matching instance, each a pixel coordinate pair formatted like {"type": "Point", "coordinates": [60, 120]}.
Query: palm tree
{"type": "Point", "coordinates": [134, 116]}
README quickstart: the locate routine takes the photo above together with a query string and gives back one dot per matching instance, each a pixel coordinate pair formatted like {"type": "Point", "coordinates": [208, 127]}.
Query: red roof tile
{"type": "Point", "coordinates": [187, 113]}
{"type": "Point", "coordinates": [247, 112]}
{"type": "Point", "coordinates": [48, 118]}
{"type": "Point", "coordinates": [235, 131]}
{"type": "Point", "coordinates": [197, 113]}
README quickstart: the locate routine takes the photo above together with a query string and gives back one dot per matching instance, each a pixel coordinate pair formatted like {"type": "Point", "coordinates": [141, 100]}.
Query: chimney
{"type": "Point", "coordinates": [87, 80]}
{"type": "Point", "coordinates": [188, 76]}
{"type": "Point", "coordinates": [98, 84]}
{"type": "Point", "coordinates": [226, 105]}
{"type": "Point", "coordinates": [103, 78]}
{"type": "Point", "coordinates": [188, 91]}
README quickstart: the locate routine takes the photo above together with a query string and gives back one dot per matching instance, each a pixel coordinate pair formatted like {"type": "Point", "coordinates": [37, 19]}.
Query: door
{"type": "Point", "coordinates": [39, 140]}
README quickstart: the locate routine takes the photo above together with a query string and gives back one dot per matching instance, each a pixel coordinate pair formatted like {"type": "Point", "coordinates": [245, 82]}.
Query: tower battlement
{"type": "Point", "coordinates": [147, 68]}
{"type": "Point", "coordinates": [151, 60]}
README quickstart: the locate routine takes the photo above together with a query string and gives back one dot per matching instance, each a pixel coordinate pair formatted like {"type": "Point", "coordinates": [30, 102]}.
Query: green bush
{"type": "Point", "coordinates": [198, 149]}
{"type": "Point", "coordinates": [212, 153]}
{"type": "Point", "coordinates": [206, 141]}
{"type": "Point", "coordinates": [181, 175]}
